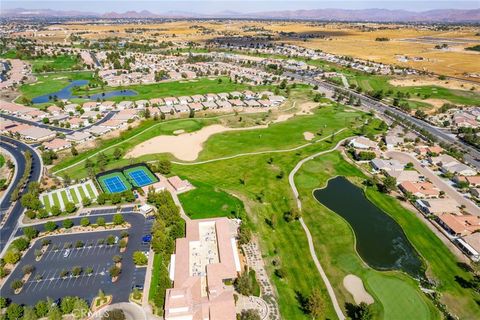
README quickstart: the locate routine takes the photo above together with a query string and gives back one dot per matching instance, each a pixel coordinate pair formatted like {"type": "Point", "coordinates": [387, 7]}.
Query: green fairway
{"type": "Point", "coordinates": [176, 88]}
{"type": "Point", "coordinates": [376, 83]}
{"type": "Point", "coordinates": [400, 300]}
{"type": "Point", "coordinates": [146, 130]}
{"type": "Point", "coordinates": [74, 196]}
{"type": "Point", "coordinates": [339, 252]}
{"type": "Point", "coordinates": [52, 82]}
{"type": "Point", "coordinates": [63, 194]}
{"type": "Point", "coordinates": [56, 200]}
{"type": "Point", "coordinates": [58, 63]}
{"type": "Point", "coordinates": [206, 201]}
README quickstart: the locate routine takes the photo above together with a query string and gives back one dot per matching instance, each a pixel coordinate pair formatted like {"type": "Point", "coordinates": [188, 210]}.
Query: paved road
{"type": "Point", "coordinates": [436, 180]}
{"type": "Point", "coordinates": [16, 148]}
{"type": "Point", "coordinates": [108, 116]}
{"type": "Point", "coordinates": [291, 181]}
{"type": "Point", "coordinates": [37, 124]}
{"type": "Point", "coordinates": [472, 156]}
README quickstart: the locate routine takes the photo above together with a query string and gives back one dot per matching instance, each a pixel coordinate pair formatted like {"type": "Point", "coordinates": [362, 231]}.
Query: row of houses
{"type": "Point", "coordinates": [458, 224]}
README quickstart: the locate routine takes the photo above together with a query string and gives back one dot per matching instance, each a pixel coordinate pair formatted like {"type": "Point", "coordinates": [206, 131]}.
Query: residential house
{"type": "Point", "coordinates": [419, 189]}
{"type": "Point", "coordinates": [459, 225]}
{"type": "Point", "coordinates": [470, 244]}
{"type": "Point", "coordinates": [386, 165]}
{"type": "Point", "coordinates": [438, 206]}
{"type": "Point", "coordinates": [78, 137]}
{"type": "Point", "coordinates": [57, 144]}
{"type": "Point", "coordinates": [362, 143]}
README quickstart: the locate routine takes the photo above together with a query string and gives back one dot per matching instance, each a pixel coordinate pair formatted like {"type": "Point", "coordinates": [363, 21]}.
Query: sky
{"type": "Point", "coordinates": [245, 6]}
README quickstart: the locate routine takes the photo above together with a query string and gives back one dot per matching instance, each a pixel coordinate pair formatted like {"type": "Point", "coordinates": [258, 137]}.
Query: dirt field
{"type": "Point", "coordinates": [339, 38]}
{"type": "Point", "coordinates": [449, 84]}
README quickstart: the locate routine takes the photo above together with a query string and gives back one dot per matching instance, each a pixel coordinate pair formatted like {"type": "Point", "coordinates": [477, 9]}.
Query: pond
{"type": "Point", "coordinates": [66, 93]}
{"type": "Point", "coordinates": [380, 241]}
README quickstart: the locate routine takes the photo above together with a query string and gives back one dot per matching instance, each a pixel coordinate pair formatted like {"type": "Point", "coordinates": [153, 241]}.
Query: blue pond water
{"type": "Point", "coordinates": [380, 240]}
{"type": "Point", "coordinates": [66, 93]}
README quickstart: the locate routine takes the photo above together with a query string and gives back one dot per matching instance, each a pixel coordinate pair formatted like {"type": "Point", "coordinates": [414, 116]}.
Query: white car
{"type": "Point", "coordinates": [66, 253]}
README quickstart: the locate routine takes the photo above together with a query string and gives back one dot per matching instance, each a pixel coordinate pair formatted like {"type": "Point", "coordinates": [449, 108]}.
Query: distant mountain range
{"type": "Point", "coordinates": [373, 15]}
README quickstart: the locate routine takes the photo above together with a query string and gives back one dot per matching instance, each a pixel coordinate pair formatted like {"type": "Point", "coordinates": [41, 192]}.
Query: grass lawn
{"type": "Point", "coordinates": [254, 179]}
{"type": "Point", "coordinates": [63, 193]}
{"type": "Point", "coordinates": [375, 83]}
{"type": "Point", "coordinates": [46, 203]}
{"type": "Point", "coordinates": [399, 298]}
{"type": "Point", "coordinates": [82, 192]}
{"type": "Point", "coordinates": [255, 285]}
{"type": "Point", "coordinates": [338, 254]}
{"type": "Point", "coordinates": [176, 88]}
{"type": "Point", "coordinates": [74, 196]}
{"type": "Point", "coordinates": [52, 82]}
{"type": "Point", "coordinates": [56, 200]}
{"type": "Point", "coordinates": [58, 63]}
{"type": "Point", "coordinates": [90, 191]}
{"type": "Point", "coordinates": [206, 201]}
{"type": "Point", "coordinates": [128, 139]}
{"type": "Point", "coordinates": [2, 160]}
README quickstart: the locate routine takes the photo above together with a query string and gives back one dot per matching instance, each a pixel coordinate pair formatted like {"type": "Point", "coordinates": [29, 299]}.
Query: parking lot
{"type": "Point", "coordinates": [95, 256]}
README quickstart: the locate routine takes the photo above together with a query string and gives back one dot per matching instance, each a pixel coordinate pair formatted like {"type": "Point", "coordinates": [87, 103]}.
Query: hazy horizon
{"type": "Point", "coordinates": [248, 6]}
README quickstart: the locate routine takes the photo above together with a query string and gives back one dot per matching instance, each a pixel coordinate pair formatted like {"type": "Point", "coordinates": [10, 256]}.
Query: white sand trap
{"type": "Point", "coordinates": [59, 78]}
{"type": "Point", "coordinates": [308, 135]}
{"type": "Point", "coordinates": [185, 146]}
{"type": "Point", "coordinates": [283, 117]}
{"type": "Point", "coordinates": [354, 285]}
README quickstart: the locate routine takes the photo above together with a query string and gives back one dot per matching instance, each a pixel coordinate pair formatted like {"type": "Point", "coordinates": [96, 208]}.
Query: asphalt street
{"type": "Point", "coordinates": [472, 156]}
{"type": "Point", "coordinates": [16, 148]}
{"type": "Point", "coordinates": [108, 116]}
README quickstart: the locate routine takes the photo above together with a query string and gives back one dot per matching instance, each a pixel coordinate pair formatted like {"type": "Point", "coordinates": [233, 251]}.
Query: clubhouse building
{"type": "Point", "coordinates": [203, 268]}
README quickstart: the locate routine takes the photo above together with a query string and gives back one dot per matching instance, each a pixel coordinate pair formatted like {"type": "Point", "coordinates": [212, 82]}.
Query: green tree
{"type": "Point", "coordinates": [29, 313]}
{"type": "Point", "coordinates": [116, 198]}
{"type": "Point", "coordinates": [50, 226]}
{"type": "Point", "coordinates": [118, 219]}
{"type": "Point", "coordinates": [86, 201]}
{"type": "Point", "coordinates": [114, 271]}
{"type": "Point", "coordinates": [12, 256]}
{"type": "Point", "coordinates": [250, 314]}
{"type": "Point", "coordinates": [84, 222]}
{"type": "Point", "coordinates": [16, 284]}
{"type": "Point", "coordinates": [20, 244]}
{"type": "Point", "coordinates": [164, 166]}
{"type": "Point", "coordinates": [67, 223]}
{"type": "Point", "coordinates": [55, 210]}
{"type": "Point", "coordinates": [74, 151]}
{"type": "Point", "coordinates": [389, 183]}
{"type": "Point", "coordinates": [14, 311]}
{"type": "Point", "coordinates": [100, 221]}
{"type": "Point", "coordinates": [315, 304]}
{"type": "Point", "coordinates": [41, 308]}
{"type": "Point", "coordinates": [139, 258]}
{"type": "Point", "coordinates": [70, 207]}
{"type": "Point", "coordinates": [66, 305]}
{"type": "Point", "coordinates": [117, 153]}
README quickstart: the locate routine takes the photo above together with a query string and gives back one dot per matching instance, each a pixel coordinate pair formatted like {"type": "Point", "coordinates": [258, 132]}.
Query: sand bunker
{"type": "Point", "coordinates": [308, 135]}
{"type": "Point", "coordinates": [306, 108]}
{"type": "Point", "coordinates": [449, 84]}
{"type": "Point", "coordinates": [185, 146]}
{"type": "Point", "coordinates": [354, 285]}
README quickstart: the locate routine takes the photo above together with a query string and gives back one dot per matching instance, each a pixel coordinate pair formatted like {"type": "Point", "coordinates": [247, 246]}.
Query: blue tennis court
{"type": "Point", "coordinates": [140, 177]}
{"type": "Point", "coordinates": [115, 184]}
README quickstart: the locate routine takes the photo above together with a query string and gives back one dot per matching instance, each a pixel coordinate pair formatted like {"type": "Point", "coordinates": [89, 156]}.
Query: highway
{"type": "Point", "coordinates": [471, 156]}
{"type": "Point", "coordinates": [16, 148]}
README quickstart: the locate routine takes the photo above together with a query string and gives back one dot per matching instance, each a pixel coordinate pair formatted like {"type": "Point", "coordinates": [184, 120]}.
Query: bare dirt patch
{"type": "Point", "coordinates": [449, 84]}
{"type": "Point", "coordinates": [354, 285]}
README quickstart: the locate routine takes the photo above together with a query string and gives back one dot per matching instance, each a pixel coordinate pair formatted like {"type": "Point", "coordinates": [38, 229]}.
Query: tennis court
{"type": "Point", "coordinates": [140, 176]}
{"type": "Point", "coordinates": [114, 183]}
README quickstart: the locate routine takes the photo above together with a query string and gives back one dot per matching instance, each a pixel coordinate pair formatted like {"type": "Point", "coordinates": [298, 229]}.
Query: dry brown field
{"type": "Point", "coordinates": [356, 40]}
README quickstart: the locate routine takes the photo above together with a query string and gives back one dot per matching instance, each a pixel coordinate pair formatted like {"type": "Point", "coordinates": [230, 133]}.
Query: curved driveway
{"type": "Point", "coordinates": [16, 148]}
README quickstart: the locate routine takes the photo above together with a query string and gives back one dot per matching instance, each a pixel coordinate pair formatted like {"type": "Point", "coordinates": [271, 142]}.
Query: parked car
{"type": "Point", "coordinates": [66, 253]}
{"type": "Point", "coordinates": [147, 238]}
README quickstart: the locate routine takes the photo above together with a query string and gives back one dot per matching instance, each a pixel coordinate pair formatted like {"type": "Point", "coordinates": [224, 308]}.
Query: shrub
{"type": "Point", "coordinates": [17, 284]}
{"type": "Point", "coordinates": [67, 224]}
{"type": "Point", "coordinates": [139, 258]}
{"type": "Point", "coordinates": [70, 207]}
